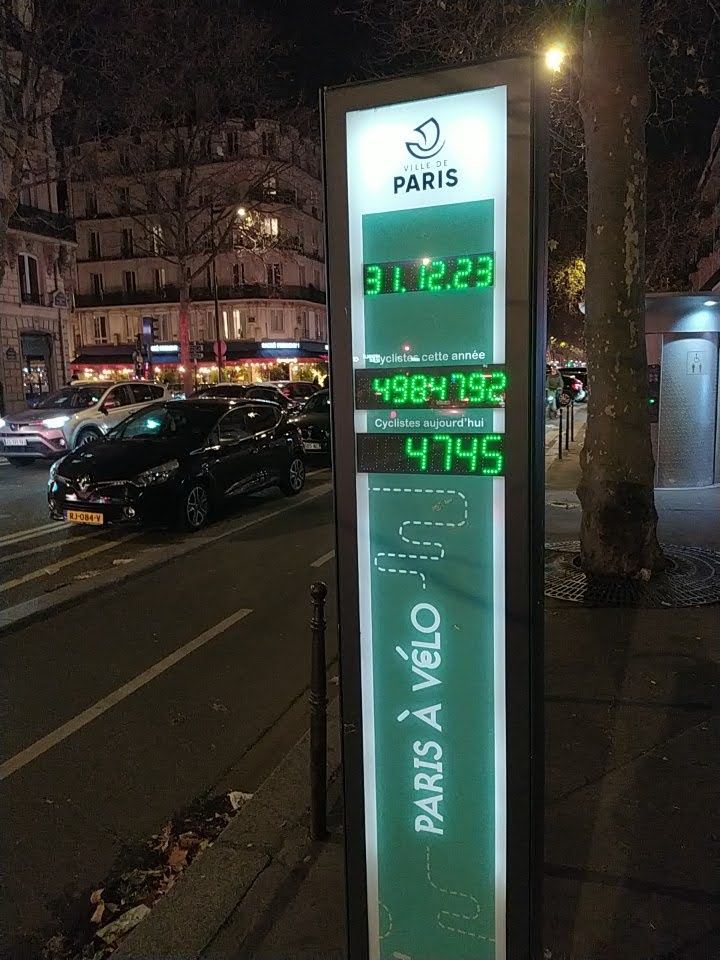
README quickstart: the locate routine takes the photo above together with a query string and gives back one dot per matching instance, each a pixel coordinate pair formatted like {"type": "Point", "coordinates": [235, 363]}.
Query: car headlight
{"type": "Point", "coordinates": [2, 423]}
{"type": "Point", "coordinates": [53, 471]}
{"type": "Point", "coordinates": [158, 474]}
{"type": "Point", "coordinates": [54, 423]}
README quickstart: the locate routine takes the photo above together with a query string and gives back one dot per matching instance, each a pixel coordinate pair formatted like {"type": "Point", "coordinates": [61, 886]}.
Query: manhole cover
{"type": "Point", "coordinates": [691, 580]}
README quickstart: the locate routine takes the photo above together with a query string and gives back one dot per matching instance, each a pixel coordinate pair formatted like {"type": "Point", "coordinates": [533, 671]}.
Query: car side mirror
{"type": "Point", "coordinates": [109, 405]}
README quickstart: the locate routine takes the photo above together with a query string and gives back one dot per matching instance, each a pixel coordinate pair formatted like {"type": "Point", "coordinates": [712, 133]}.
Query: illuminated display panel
{"type": "Point", "coordinates": [430, 274]}
{"type": "Point", "coordinates": [430, 387]}
{"type": "Point", "coordinates": [468, 454]}
{"type": "Point", "coordinates": [431, 441]}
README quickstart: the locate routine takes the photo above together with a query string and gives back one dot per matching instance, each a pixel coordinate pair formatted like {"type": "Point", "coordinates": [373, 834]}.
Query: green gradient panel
{"type": "Point", "coordinates": [431, 544]}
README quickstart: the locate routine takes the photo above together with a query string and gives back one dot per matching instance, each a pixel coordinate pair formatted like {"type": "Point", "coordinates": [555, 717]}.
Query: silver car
{"type": "Point", "coordinates": [77, 414]}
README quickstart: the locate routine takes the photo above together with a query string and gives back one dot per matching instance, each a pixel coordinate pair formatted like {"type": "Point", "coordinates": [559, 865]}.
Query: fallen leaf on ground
{"type": "Point", "coordinates": [131, 918]}
{"type": "Point", "coordinates": [163, 838]}
{"type": "Point", "coordinates": [218, 706]}
{"type": "Point", "coordinates": [177, 859]}
{"type": "Point", "coordinates": [237, 798]}
{"type": "Point", "coordinates": [98, 913]}
{"type": "Point", "coordinates": [96, 895]}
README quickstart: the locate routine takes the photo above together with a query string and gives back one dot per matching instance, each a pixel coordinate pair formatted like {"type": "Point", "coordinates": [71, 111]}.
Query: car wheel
{"type": "Point", "coordinates": [195, 507]}
{"type": "Point", "coordinates": [88, 435]}
{"type": "Point", "coordinates": [294, 479]}
{"type": "Point", "coordinates": [21, 461]}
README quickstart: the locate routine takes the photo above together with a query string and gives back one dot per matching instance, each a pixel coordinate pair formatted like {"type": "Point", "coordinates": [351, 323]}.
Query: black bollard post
{"type": "Point", "coordinates": [567, 426]}
{"type": "Point", "coordinates": [572, 421]}
{"type": "Point", "coordinates": [559, 410]}
{"type": "Point", "coordinates": [318, 715]}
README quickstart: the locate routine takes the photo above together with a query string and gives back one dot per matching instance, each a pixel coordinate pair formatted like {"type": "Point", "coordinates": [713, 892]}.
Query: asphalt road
{"type": "Point", "coordinates": [140, 670]}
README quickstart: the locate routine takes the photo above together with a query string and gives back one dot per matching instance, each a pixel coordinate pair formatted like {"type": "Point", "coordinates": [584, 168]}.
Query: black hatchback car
{"type": "Point", "coordinates": [313, 421]}
{"type": "Point", "coordinates": [176, 461]}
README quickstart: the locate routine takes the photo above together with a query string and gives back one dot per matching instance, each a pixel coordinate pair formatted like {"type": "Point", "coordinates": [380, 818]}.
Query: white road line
{"type": "Point", "coordinates": [39, 531]}
{"type": "Point", "coordinates": [53, 568]}
{"type": "Point", "coordinates": [66, 730]}
{"type": "Point", "coordinates": [48, 546]}
{"type": "Point", "coordinates": [321, 561]}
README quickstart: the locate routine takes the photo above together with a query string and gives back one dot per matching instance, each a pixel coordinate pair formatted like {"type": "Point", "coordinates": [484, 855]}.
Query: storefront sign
{"type": "Point", "coordinates": [437, 377]}
{"type": "Point", "coordinates": [280, 345]}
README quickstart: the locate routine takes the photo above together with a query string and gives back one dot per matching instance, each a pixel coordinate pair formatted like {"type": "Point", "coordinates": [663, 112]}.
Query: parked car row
{"type": "Point", "coordinates": [178, 461]}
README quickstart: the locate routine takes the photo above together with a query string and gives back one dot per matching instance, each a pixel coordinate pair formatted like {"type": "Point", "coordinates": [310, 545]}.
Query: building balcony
{"type": "Point", "coordinates": [43, 222]}
{"type": "Point", "coordinates": [171, 294]}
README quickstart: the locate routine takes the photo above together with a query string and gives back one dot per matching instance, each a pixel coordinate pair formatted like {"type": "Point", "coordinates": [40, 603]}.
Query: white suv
{"type": "Point", "coordinates": [77, 414]}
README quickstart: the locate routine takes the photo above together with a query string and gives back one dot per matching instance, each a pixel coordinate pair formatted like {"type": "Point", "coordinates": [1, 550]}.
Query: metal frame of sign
{"type": "Point", "coordinates": [516, 904]}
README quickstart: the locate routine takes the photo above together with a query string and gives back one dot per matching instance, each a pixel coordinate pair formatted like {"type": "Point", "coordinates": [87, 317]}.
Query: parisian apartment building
{"type": "Point", "coordinates": [242, 221]}
{"type": "Point", "coordinates": [707, 275]}
{"type": "Point", "coordinates": [39, 249]}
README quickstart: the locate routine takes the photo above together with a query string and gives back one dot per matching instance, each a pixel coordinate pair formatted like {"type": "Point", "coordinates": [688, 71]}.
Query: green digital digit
{"type": "Point", "coordinates": [476, 387]}
{"type": "Point", "coordinates": [461, 380]}
{"type": "Point", "coordinates": [397, 284]}
{"type": "Point", "coordinates": [485, 270]}
{"type": "Point", "coordinates": [373, 280]}
{"type": "Point", "coordinates": [438, 386]}
{"type": "Point", "coordinates": [418, 388]}
{"type": "Point", "coordinates": [381, 387]}
{"type": "Point", "coordinates": [419, 453]}
{"type": "Point", "coordinates": [469, 452]}
{"type": "Point", "coordinates": [435, 278]}
{"type": "Point", "coordinates": [400, 388]}
{"type": "Point", "coordinates": [447, 441]}
{"type": "Point", "coordinates": [463, 270]}
{"type": "Point", "coordinates": [498, 383]}
{"type": "Point", "coordinates": [422, 276]}
{"type": "Point", "coordinates": [493, 460]}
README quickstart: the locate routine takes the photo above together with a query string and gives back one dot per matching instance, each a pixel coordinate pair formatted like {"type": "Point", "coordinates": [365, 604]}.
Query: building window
{"type": "Point", "coordinates": [316, 278]}
{"type": "Point", "coordinates": [160, 279]}
{"type": "Point", "coordinates": [276, 321]}
{"type": "Point", "coordinates": [128, 243]}
{"type": "Point", "coordinates": [157, 238]}
{"type": "Point", "coordinates": [233, 142]}
{"type": "Point", "coordinates": [100, 329]}
{"type": "Point", "coordinates": [269, 143]}
{"type": "Point", "coordinates": [25, 197]}
{"type": "Point", "coordinates": [29, 278]}
{"type": "Point", "coordinates": [236, 325]}
{"type": "Point", "coordinates": [94, 247]}
{"type": "Point", "coordinates": [274, 274]}
{"type": "Point", "coordinates": [270, 186]}
{"type": "Point", "coordinates": [124, 158]}
{"type": "Point", "coordinates": [91, 204]}
{"type": "Point", "coordinates": [96, 282]}
{"type": "Point", "coordinates": [270, 226]}
{"type": "Point", "coordinates": [304, 324]}
{"type": "Point", "coordinates": [123, 199]}
{"type": "Point", "coordinates": [129, 281]}
{"type": "Point", "coordinates": [238, 274]}
{"type": "Point", "coordinates": [302, 276]}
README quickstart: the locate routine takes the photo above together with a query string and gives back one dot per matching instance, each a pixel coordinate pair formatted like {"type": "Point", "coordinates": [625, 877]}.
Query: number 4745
{"type": "Point", "coordinates": [480, 454]}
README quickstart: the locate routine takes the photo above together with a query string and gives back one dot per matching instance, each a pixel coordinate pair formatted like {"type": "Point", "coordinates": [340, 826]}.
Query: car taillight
{"type": "Point", "coordinates": [576, 386]}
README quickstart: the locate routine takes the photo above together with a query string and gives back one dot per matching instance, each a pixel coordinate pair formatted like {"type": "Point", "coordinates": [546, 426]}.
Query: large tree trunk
{"type": "Point", "coordinates": [618, 534]}
{"type": "Point", "coordinates": [187, 376]}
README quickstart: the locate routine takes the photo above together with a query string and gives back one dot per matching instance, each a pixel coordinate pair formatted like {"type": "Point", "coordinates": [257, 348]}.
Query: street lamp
{"type": "Point", "coordinates": [554, 58]}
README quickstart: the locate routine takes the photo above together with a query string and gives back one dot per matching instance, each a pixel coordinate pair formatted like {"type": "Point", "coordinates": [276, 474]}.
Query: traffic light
{"type": "Point", "coordinates": [150, 329]}
{"type": "Point", "coordinates": [653, 371]}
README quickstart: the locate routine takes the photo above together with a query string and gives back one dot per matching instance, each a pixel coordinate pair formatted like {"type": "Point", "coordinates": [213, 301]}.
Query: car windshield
{"type": "Point", "coordinates": [317, 404]}
{"type": "Point", "coordinates": [72, 398]}
{"type": "Point", "coordinates": [167, 422]}
{"type": "Point", "coordinates": [297, 391]}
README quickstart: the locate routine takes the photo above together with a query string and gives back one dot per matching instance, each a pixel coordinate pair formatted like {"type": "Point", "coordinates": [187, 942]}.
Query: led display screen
{"type": "Point", "coordinates": [430, 387]}
{"type": "Point", "coordinates": [430, 274]}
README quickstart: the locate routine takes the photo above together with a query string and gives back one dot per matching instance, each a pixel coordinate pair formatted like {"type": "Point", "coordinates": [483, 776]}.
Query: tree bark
{"type": "Point", "coordinates": [616, 490]}
{"type": "Point", "coordinates": [187, 377]}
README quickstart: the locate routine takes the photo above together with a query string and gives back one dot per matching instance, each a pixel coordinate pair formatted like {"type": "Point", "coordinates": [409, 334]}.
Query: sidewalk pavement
{"type": "Point", "coordinates": [632, 825]}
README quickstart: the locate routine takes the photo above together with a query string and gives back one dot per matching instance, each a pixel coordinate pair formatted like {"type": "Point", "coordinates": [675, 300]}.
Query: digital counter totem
{"type": "Point", "coordinates": [426, 287]}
